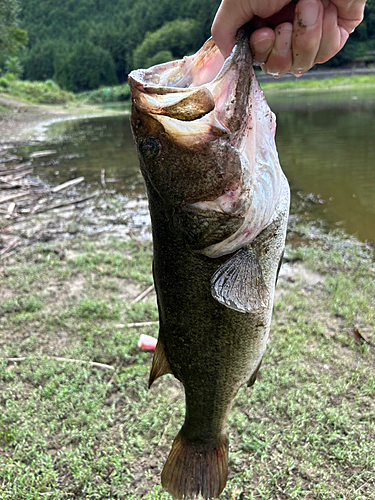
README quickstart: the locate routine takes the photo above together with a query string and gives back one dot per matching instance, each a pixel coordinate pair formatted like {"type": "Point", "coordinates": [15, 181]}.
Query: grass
{"type": "Point", "coordinates": [337, 82]}
{"type": "Point", "coordinates": [47, 92]}
{"type": "Point", "coordinates": [304, 431]}
{"type": "Point", "coordinates": [104, 95]}
{"type": "Point", "coordinates": [50, 93]}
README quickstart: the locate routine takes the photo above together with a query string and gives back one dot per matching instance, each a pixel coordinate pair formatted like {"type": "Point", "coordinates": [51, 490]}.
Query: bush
{"type": "Point", "coordinates": [159, 58]}
{"type": "Point", "coordinates": [39, 92]}
{"type": "Point", "coordinates": [86, 67]}
{"type": "Point", "coordinates": [103, 95]}
{"type": "Point", "coordinates": [179, 38]}
{"type": "Point", "coordinates": [4, 84]}
{"type": "Point", "coordinates": [39, 62]}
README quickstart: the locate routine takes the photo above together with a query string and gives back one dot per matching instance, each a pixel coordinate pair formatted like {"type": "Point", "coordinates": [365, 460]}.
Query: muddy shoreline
{"type": "Point", "coordinates": [24, 122]}
{"type": "Point", "coordinates": [33, 212]}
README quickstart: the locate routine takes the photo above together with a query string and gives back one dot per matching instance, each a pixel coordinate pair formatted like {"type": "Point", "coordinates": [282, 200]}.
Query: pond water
{"type": "Point", "coordinates": [325, 142]}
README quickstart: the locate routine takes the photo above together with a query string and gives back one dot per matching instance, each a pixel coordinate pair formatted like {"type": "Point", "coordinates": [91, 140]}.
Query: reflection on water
{"type": "Point", "coordinates": [87, 146]}
{"type": "Point", "coordinates": [325, 143]}
{"type": "Point", "coordinates": [327, 148]}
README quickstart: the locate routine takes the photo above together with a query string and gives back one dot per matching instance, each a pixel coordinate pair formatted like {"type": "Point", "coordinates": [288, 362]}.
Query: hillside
{"type": "Point", "coordinates": [84, 44]}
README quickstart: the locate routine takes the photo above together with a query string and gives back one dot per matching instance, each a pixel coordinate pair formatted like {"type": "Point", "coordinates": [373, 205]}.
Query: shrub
{"type": "Point", "coordinates": [4, 84]}
{"type": "Point", "coordinates": [179, 37]}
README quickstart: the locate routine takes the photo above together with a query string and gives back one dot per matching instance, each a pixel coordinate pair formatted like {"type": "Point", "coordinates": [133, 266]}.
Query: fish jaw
{"type": "Point", "coordinates": [216, 137]}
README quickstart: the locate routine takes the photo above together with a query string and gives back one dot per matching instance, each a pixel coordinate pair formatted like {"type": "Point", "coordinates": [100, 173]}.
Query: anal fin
{"type": "Point", "coordinates": [239, 283]}
{"type": "Point", "coordinates": [254, 375]}
{"type": "Point", "coordinates": [160, 365]}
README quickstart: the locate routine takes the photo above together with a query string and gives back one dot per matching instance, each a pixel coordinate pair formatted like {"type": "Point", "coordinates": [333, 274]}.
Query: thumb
{"type": "Point", "coordinates": [232, 14]}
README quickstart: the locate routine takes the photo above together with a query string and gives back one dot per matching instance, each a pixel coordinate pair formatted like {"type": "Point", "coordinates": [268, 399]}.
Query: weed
{"type": "Point", "coordinates": [304, 431]}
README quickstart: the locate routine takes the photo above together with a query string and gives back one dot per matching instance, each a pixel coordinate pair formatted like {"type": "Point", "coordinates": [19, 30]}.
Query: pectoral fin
{"type": "Point", "coordinates": [239, 283]}
{"type": "Point", "coordinates": [160, 365]}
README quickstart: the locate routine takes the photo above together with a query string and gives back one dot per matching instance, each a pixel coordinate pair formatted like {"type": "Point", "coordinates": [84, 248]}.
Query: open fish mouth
{"type": "Point", "coordinates": [205, 99]}
{"type": "Point", "coordinates": [196, 98]}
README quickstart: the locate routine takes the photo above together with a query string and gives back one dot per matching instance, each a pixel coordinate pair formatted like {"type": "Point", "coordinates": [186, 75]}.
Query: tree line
{"type": "Point", "coordinates": [85, 44]}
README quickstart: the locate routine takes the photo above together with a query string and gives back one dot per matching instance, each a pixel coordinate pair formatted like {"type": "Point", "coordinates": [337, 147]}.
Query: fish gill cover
{"type": "Point", "coordinates": [219, 204]}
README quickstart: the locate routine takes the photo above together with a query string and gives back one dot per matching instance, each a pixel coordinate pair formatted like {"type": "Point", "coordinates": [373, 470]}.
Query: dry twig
{"type": "Point", "coordinates": [143, 294]}
{"type": "Point", "coordinates": [67, 184]}
{"type": "Point", "coordinates": [64, 204]}
{"type": "Point", "coordinates": [68, 360]}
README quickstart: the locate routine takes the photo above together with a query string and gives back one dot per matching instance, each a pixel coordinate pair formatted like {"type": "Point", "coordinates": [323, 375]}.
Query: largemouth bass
{"type": "Point", "coordinates": [219, 205]}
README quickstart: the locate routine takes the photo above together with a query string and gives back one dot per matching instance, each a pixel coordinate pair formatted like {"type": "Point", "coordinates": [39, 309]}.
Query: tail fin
{"type": "Point", "coordinates": [194, 469]}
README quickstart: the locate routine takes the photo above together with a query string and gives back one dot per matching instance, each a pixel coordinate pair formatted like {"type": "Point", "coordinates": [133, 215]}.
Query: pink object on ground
{"type": "Point", "coordinates": [147, 343]}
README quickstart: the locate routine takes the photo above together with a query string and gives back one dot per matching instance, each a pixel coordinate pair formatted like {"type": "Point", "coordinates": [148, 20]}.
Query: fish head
{"type": "Point", "coordinates": [205, 140]}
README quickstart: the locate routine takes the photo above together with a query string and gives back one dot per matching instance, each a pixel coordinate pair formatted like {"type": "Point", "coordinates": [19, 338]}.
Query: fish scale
{"type": "Point", "coordinates": [219, 206]}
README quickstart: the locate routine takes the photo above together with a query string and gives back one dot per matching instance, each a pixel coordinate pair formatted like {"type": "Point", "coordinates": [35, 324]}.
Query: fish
{"type": "Point", "coordinates": [219, 205]}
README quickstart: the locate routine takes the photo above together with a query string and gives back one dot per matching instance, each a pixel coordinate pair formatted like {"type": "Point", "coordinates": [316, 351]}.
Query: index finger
{"type": "Point", "coordinates": [229, 18]}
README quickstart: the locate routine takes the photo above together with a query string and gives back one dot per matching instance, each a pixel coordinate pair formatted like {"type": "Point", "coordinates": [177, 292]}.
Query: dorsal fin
{"type": "Point", "coordinates": [160, 365]}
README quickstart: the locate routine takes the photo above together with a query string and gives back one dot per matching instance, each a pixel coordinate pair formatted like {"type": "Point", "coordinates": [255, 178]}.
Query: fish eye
{"type": "Point", "coordinates": [150, 148]}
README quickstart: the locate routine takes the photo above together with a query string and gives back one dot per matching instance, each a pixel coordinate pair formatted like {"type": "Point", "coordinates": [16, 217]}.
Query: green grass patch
{"type": "Point", "coordinates": [67, 430]}
{"type": "Point", "coordinates": [340, 82]}
{"type": "Point", "coordinates": [47, 92]}
{"type": "Point", "coordinates": [103, 95]}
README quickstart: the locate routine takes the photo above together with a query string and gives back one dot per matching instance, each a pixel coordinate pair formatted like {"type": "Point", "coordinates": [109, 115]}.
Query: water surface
{"type": "Point", "coordinates": [325, 142]}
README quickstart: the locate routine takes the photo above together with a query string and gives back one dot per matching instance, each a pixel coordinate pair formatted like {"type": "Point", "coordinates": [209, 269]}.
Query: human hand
{"type": "Point", "coordinates": [290, 36]}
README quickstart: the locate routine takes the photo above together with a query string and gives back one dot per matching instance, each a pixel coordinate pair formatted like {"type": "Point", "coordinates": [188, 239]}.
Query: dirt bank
{"type": "Point", "coordinates": [23, 122]}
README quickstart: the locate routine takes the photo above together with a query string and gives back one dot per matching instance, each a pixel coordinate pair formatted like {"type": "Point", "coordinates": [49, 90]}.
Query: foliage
{"type": "Point", "coordinates": [47, 92]}
{"type": "Point", "coordinates": [160, 57]}
{"type": "Point", "coordinates": [360, 42]}
{"type": "Point", "coordinates": [13, 66]}
{"type": "Point", "coordinates": [179, 37]}
{"type": "Point", "coordinates": [305, 429]}
{"type": "Point", "coordinates": [314, 84]}
{"type": "Point", "coordinates": [12, 38]}
{"type": "Point", "coordinates": [103, 95]}
{"type": "Point", "coordinates": [122, 35]}
{"type": "Point", "coordinates": [86, 67]}
{"type": "Point", "coordinates": [117, 27]}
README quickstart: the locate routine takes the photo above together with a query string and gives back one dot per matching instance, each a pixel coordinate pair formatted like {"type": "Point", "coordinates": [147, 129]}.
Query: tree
{"type": "Point", "coordinates": [84, 66]}
{"type": "Point", "coordinates": [12, 38]}
{"type": "Point", "coordinates": [180, 37]}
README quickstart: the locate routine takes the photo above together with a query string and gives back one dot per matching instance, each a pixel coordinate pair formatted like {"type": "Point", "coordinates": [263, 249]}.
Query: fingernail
{"type": "Point", "coordinates": [308, 13]}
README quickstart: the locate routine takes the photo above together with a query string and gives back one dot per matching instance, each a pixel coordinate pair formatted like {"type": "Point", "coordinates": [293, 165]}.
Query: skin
{"type": "Point", "coordinates": [290, 36]}
{"type": "Point", "coordinates": [212, 349]}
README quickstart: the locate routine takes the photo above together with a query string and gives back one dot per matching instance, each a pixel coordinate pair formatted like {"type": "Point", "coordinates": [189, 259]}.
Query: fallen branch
{"type": "Point", "coordinates": [17, 169]}
{"type": "Point", "coordinates": [68, 360]}
{"type": "Point", "coordinates": [65, 203]}
{"type": "Point", "coordinates": [14, 196]}
{"type": "Point", "coordinates": [21, 174]}
{"type": "Point", "coordinates": [6, 158]}
{"type": "Point", "coordinates": [39, 154]}
{"type": "Point", "coordinates": [143, 294]}
{"type": "Point", "coordinates": [12, 245]}
{"type": "Point", "coordinates": [137, 325]}
{"type": "Point", "coordinates": [67, 184]}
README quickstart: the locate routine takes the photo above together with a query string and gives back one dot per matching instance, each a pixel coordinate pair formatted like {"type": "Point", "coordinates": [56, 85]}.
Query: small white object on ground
{"type": "Point", "coordinates": [147, 343]}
